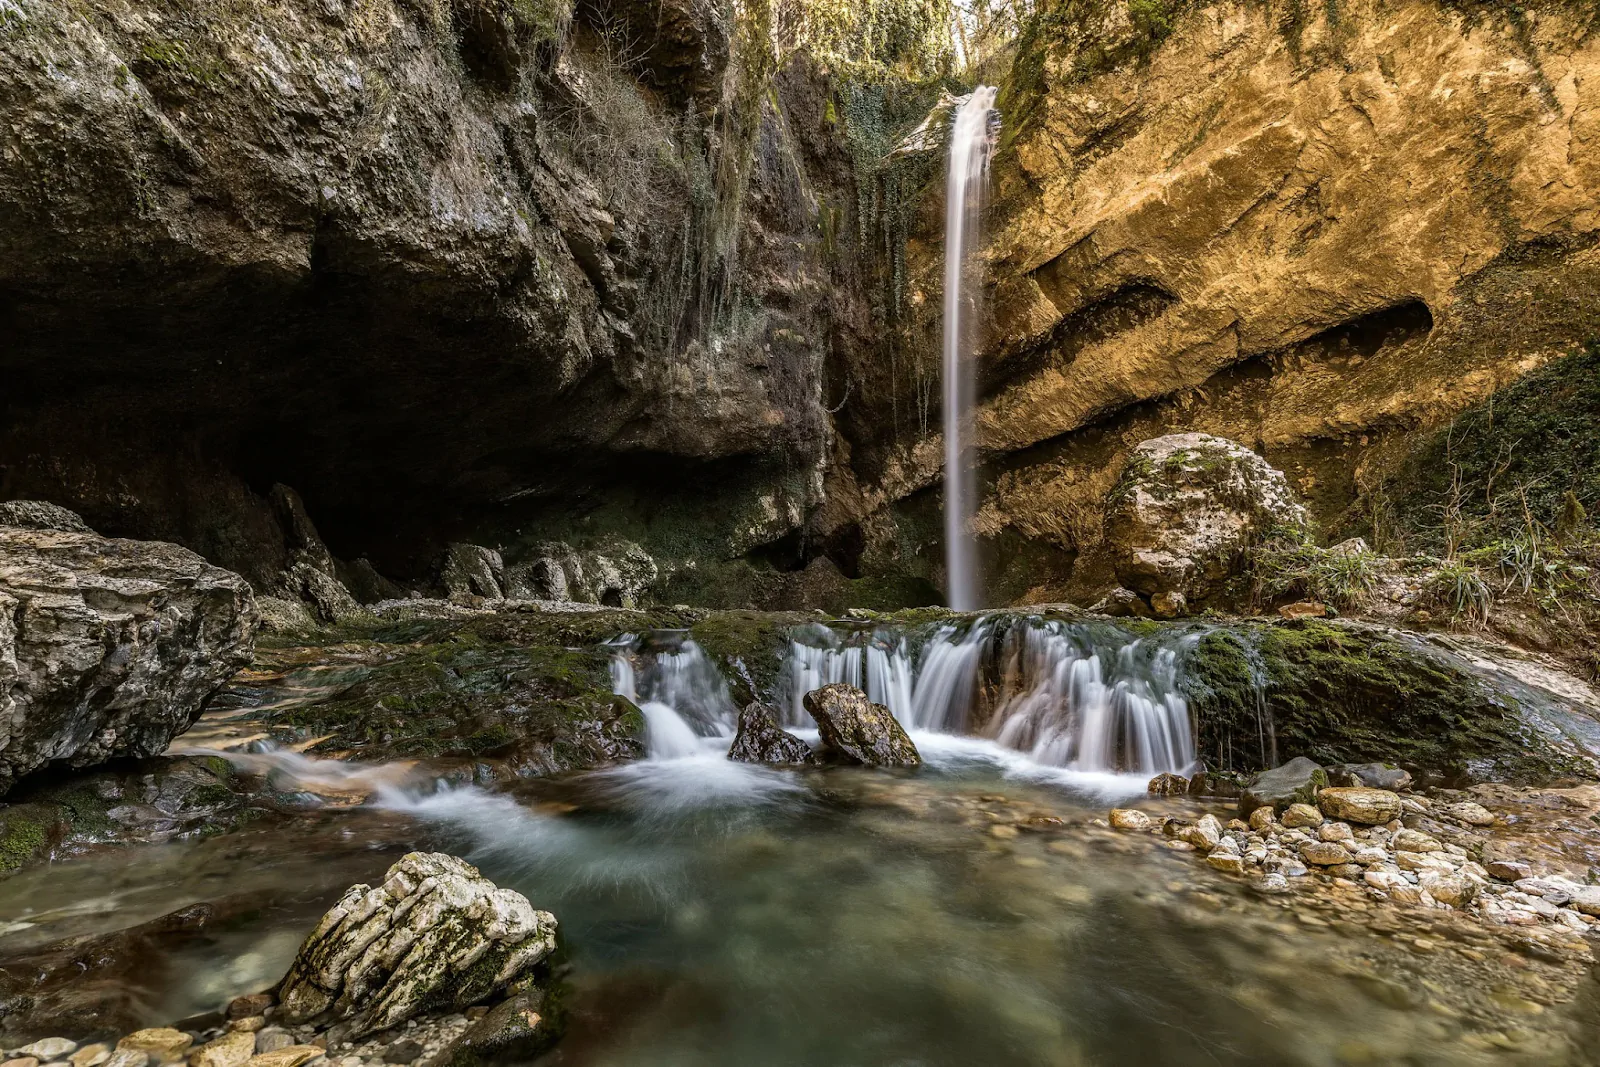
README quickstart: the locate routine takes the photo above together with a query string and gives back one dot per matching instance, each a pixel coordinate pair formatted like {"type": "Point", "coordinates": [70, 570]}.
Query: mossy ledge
{"type": "Point", "coordinates": [1264, 692]}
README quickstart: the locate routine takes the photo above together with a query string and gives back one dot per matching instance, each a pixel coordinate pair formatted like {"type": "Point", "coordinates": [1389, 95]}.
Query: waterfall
{"type": "Point", "coordinates": [971, 141]}
{"type": "Point", "coordinates": [1089, 697]}
{"type": "Point", "coordinates": [681, 692]}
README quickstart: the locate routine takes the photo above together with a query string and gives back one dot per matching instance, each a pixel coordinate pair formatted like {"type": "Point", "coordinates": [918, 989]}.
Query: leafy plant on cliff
{"type": "Point", "coordinates": [1287, 565]}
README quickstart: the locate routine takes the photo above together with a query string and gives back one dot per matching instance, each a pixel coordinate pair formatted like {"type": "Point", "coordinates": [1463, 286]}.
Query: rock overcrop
{"type": "Point", "coordinates": [435, 932]}
{"type": "Point", "coordinates": [855, 730]}
{"type": "Point", "coordinates": [1184, 509]}
{"type": "Point", "coordinates": [109, 647]}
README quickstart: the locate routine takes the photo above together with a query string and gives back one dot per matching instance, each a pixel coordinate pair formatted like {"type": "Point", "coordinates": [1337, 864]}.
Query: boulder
{"type": "Point", "coordinates": [1359, 804]}
{"type": "Point", "coordinates": [1297, 815]}
{"type": "Point", "coordinates": [513, 1031]}
{"type": "Point", "coordinates": [472, 570]}
{"type": "Point", "coordinates": [1371, 775]}
{"type": "Point", "coordinates": [1168, 785]}
{"type": "Point", "coordinates": [1296, 782]}
{"type": "Point", "coordinates": [41, 515]}
{"type": "Point", "coordinates": [855, 730]}
{"type": "Point", "coordinates": [762, 740]}
{"type": "Point", "coordinates": [109, 647]}
{"type": "Point", "coordinates": [1184, 509]}
{"type": "Point", "coordinates": [616, 572]}
{"type": "Point", "coordinates": [435, 933]}
{"type": "Point", "coordinates": [1129, 819]}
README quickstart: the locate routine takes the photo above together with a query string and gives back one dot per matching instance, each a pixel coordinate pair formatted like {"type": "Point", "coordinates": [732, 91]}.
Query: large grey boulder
{"type": "Point", "coordinates": [855, 730]}
{"type": "Point", "coordinates": [109, 647]}
{"type": "Point", "coordinates": [1184, 509]}
{"type": "Point", "coordinates": [1296, 782]}
{"type": "Point", "coordinates": [435, 933]}
{"type": "Point", "coordinates": [472, 570]}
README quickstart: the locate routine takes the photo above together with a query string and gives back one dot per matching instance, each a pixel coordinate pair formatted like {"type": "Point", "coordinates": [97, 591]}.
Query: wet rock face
{"type": "Point", "coordinates": [435, 932]}
{"type": "Point", "coordinates": [762, 740]}
{"type": "Point", "coordinates": [1183, 510]}
{"type": "Point", "coordinates": [855, 730]}
{"type": "Point", "coordinates": [109, 647]}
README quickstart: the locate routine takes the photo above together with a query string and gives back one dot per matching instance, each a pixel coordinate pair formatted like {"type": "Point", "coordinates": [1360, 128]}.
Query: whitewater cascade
{"type": "Point", "coordinates": [971, 142]}
{"type": "Point", "coordinates": [1084, 696]}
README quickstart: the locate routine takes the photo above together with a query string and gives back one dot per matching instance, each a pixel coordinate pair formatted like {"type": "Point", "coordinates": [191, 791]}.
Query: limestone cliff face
{"type": "Point", "coordinates": [438, 266]}
{"type": "Point", "coordinates": [1309, 228]}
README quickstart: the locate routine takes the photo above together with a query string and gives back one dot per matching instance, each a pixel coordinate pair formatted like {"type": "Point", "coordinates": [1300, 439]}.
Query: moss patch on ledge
{"type": "Point", "coordinates": [1341, 693]}
{"type": "Point", "coordinates": [531, 687]}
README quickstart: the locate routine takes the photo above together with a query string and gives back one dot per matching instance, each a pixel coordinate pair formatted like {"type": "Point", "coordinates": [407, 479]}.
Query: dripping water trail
{"type": "Point", "coordinates": [971, 142]}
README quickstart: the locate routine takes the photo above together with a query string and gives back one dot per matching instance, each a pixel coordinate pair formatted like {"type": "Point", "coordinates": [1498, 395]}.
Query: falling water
{"type": "Point", "coordinates": [681, 693]}
{"type": "Point", "coordinates": [1089, 698]}
{"type": "Point", "coordinates": [971, 141]}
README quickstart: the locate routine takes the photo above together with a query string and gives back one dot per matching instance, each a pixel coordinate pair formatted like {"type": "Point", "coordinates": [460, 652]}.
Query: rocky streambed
{"type": "Point", "coordinates": [912, 877]}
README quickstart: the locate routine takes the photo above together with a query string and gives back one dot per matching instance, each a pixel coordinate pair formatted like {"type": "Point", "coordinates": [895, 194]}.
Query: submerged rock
{"type": "Point", "coordinates": [435, 932]}
{"type": "Point", "coordinates": [1296, 782]}
{"type": "Point", "coordinates": [762, 740]}
{"type": "Point", "coordinates": [1184, 508]}
{"type": "Point", "coordinates": [855, 730]}
{"type": "Point", "coordinates": [109, 647]}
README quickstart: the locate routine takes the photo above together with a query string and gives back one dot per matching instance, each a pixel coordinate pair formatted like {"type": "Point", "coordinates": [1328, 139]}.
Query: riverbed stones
{"type": "Point", "coordinates": [1358, 804]}
{"type": "Point", "coordinates": [1504, 870]}
{"type": "Point", "coordinates": [1261, 819]}
{"type": "Point", "coordinates": [435, 932]}
{"type": "Point", "coordinates": [1408, 840]}
{"type": "Point", "coordinates": [1205, 833]}
{"type": "Point", "coordinates": [128, 1057]}
{"type": "Point", "coordinates": [1469, 812]}
{"type": "Point", "coordinates": [1130, 819]}
{"type": "Point", "coordinates": [162, 1044]}
{"type": "Point", "coordinates": [293, 1056]}
{"type": "Point", "coordinates": [1324, 853]}
{"type": "Point", "coordinates": [49, 1049]}
{"type": "Point", "coordinates": [90, 1055]}
{"type": "Point", "coordinates": [272, 1038]}
{"type": "Point", "coordinates": [232, 1049]}
{"type": "Point", "coordinates": [249, 1004]}
{"type": "Point", "coordinates": [1295, 782]}
{"type": "Point", "coordinates": [761, 740]}
{"type": "Point", "coordinates": [1228, 861]}
{"type": "Point", "coordinates": [855, 730]}
{"type": "Point", "coordinates": [109, 647]}
{"type": "Point", "coordinates": [1300, 815]}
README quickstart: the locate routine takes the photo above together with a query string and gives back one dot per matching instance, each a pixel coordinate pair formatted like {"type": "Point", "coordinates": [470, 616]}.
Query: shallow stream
{"type": "Point", "coordinates": [972, 913]}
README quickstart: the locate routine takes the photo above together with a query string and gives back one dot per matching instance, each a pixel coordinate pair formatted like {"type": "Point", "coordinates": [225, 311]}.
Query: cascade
{"type": "Point", "coordinates": [971, 142]}
{"type": "Point", "coordinates": [1089, 697]}
{"type": "Point", "coordinates": [681, 692]}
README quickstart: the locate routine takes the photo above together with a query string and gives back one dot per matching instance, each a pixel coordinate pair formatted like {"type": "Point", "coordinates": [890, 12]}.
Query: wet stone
{"type": "Point", "coordinates": [1324, 853]}
{"type": "Point", "coordinates": [1359, 804]}
{"type": "Point", "coordinates": [406, 1050]}
{"type": "Point", "coordinates": [21, 1061]}
{"type": "Point", "coordinates": [128, 1057]}
{"type": "Point", "coordinates": [1129, 819]}
{"type": "Point", "coordinates": [162, 1044]}
{"type": "Point", "coordinates": [249, 1005]}
{"type": "Point", "coordinates": [49, 1049]}
{"type": "Point", "coordinates": [90, 1055]}
{"type": "Point", "coordinates": [272, 1039]}
{"type": "Point", "coordinates": [1297, 815]}
{"type": "Point", "coordinates": [293, 1056]}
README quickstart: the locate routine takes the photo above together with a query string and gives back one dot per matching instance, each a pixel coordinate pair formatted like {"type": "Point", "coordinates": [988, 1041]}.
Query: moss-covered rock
{"type": "Point", "coordinates": [130, 802]}
{"type": "Point", "coordinates": [1348, 693]}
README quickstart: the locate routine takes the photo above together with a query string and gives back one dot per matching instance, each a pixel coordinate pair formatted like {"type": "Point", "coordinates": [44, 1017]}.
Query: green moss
{"type": "Point", "coordinates": [493, 686]}
{"type": "Point", "coordinates": [24, 835]}
{"type": "Point", "coordinates": [1348, 694]}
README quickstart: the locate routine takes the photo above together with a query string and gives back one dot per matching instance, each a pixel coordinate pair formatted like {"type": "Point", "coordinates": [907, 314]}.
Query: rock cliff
{"type": "Point", "coordinates": [1311, 229]}
{"type": "Point", "coordinates": [446, 269]}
